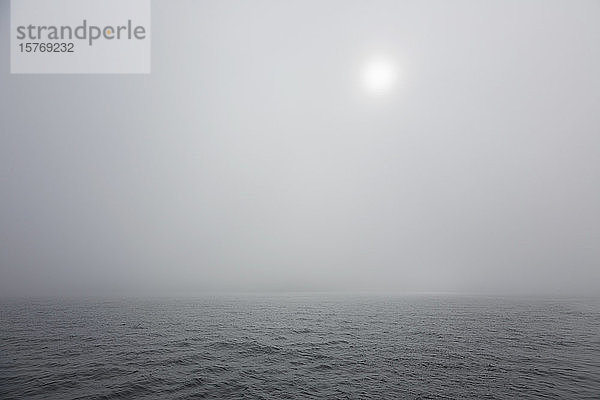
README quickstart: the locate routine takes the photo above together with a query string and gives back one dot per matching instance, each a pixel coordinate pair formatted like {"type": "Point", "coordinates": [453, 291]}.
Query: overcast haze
{"type": "Point", "coordinates": [253, 159]}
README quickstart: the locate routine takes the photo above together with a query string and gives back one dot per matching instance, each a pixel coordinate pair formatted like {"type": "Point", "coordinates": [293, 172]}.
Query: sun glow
{"type": "Point", "coordinates": [379, 75]}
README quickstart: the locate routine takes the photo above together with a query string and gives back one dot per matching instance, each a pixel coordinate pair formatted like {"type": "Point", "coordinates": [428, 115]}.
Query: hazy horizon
{"type": "Point", "coordinates": [259, 156]}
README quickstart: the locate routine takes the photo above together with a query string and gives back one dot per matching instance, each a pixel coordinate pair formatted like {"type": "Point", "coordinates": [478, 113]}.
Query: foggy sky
{"type": "Point", "coordinates": [252, 159]}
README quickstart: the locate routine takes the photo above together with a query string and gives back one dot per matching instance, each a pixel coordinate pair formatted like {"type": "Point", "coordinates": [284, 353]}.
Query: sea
{"type": "Point", "coordinates": [300, 346]}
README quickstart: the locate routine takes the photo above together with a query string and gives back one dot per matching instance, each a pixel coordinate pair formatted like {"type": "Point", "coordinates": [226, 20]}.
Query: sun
{"type": "Point", "coordinates": [379, 75]}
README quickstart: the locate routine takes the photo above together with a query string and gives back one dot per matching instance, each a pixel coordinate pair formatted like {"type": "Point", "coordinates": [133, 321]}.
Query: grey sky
{"type": "Point", "coordinates": [253, 159]}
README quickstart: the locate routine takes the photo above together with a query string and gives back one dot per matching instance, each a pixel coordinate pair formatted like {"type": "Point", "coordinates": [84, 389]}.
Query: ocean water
{"type": "Point", "coordinates": [301, 347]}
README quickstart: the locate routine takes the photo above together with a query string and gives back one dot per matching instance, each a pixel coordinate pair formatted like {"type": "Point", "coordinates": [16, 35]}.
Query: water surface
{"type": "Point", "coordinates": [301, 346]}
